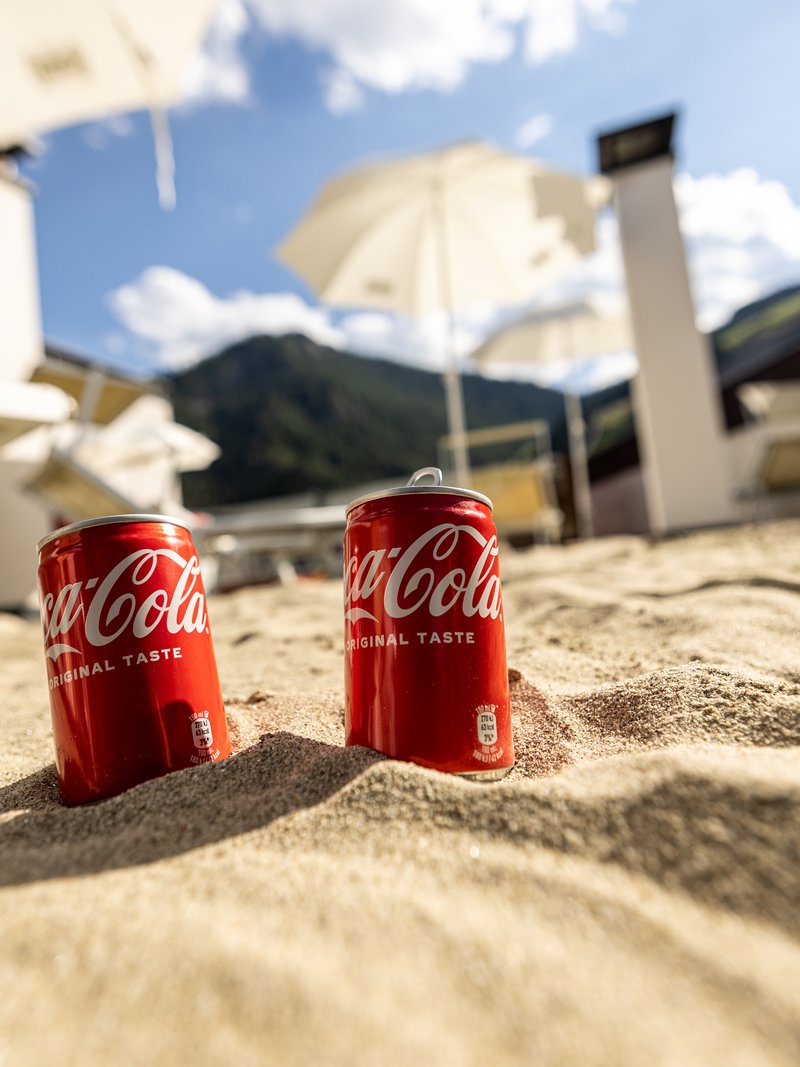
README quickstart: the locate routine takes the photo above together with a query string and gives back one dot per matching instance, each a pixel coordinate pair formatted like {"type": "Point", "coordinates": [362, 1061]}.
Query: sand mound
{"type": "Point", "coordinates": [629, 895]}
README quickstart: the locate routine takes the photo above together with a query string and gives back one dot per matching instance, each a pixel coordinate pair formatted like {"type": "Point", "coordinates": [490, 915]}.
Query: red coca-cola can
{"type": "Point", "coordinates": [134, 691]}
{"type": "Point", "coordinates": [425, 657]}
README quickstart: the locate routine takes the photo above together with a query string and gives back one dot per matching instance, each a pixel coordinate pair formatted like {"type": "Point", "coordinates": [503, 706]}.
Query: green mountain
{"type": "Point", "coordinates": [292, 416]}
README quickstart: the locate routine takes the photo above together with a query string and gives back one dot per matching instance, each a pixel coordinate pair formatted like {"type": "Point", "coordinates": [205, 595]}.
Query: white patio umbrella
{"type": "Point", "coordinates": [440, 231]}
{"type": "Point", "coordinates": [66, 62]}
{"type": "Point", "coordinates": [563, 334]}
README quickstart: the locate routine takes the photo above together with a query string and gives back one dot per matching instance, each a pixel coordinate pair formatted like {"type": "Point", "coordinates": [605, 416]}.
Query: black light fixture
{"type": "Point", "coordinates": [624, 148]}
{"type": "Point", "coordinates": [16, 152]}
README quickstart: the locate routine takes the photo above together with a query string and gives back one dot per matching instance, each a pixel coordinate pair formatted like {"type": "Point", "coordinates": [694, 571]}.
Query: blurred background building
{"type": "Point", "coordinates": [345, 190]}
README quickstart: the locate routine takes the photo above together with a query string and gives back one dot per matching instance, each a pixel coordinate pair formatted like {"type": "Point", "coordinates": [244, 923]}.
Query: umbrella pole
{"type": "Point", "coordinates": [162, 139]}
{"type": "Point", "coordinates": [453, 386]}
{"type": "Point", "coordinates": [578, 455]}
{"type": "Point", "coordinates": [456, 420]}
{"type": "Point", "coordinates": [579, 464]}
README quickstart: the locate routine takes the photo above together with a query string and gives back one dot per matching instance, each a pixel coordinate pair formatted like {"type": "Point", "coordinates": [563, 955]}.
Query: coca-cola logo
{"type": "Point", "coordinates": [119, 606]}
{"type": "Point", "coordinates": [408, 585]}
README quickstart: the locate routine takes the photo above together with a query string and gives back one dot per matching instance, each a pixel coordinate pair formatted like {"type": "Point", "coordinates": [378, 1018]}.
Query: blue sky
{"type": "Point", "coordinates": [288, 92]}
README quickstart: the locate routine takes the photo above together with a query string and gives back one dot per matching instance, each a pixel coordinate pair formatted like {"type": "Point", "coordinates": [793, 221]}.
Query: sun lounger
{"type": "Point", "coordinates": [774, 464]}
{"type": "Point", "coordinates": [71, 490]}
{"type": "Point", "coordinates": [271, 544]}
{"type": "Point", "coordinates": [523, 499]}
{"type": "Point", "coordinates": [521, 490]}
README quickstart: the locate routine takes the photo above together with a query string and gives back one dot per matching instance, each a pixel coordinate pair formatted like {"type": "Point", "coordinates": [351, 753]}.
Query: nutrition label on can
{"type": "Point", "coordinates": [487, 726]}
{"type": "Point", "coordinates": [201, 733]}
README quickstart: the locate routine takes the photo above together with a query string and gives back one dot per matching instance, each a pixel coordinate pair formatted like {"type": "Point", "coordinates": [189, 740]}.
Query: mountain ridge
{"type": "Point", "coordinates": [291, 416]}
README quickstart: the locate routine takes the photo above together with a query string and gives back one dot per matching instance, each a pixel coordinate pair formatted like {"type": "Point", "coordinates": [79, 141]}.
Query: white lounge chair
{"type": "Point", "coordinates": [73, 492]}
{"type": "Point", "coordinates": [774, 464]}
{"type": "Point", "coordinates": [770, 468]}
{"type": "Point", "coordinates": [522, 491]}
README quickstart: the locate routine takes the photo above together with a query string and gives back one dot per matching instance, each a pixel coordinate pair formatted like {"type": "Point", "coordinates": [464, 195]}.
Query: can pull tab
{"type": "Point", "coordinates": [426, 472]}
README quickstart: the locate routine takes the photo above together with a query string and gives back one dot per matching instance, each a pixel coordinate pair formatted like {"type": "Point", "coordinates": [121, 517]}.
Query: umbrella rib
{"type": "Point", "coordinates": [162, 138]}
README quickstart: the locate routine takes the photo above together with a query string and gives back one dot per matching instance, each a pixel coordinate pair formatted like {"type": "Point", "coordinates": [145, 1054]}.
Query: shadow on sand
{"type": "Point", "coordinates": [726, 583]}
{"type": "Point", "coordinates": [165, 817]}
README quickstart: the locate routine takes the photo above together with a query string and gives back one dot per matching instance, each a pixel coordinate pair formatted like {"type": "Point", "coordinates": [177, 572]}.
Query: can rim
{"type": "Point", "coordinates": [108, 520]}
{"type": "Point", "coordinates": [413, 488]}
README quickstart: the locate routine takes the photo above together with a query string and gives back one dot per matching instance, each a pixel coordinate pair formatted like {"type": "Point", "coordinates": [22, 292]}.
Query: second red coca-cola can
{"type": "Point", "coordinates": [133, 683]}
{"type": "Point", "coordinates": [425, 660]}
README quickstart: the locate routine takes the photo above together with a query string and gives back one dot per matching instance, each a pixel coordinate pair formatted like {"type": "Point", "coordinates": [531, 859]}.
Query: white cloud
{"type": "Point", "coordinates": [218, 72]}
{"type": "Point", "coordinates": [115, 343]}
{"type": "Point", "coordinates": [399, 45]}
{"type": "Point", "coordinates": [100, 134]}
{"type": "Point", "coordinates": [553, 26]}
{"type": "Point", "coordinates": [743, 240]}
{"type": "Point", "coordinates": [552, 29]}
{"type": "Point", "coordinates": [343, 94]}
{"type": "Point", "coordinates": [534, 130]}
{"type": "Point", "coordinates": [183, 322]}
{"type": "Point", "coordinates": [424, 342]}
{"type": "Point", "coordinates": [393, 46]}
{"type": "Point", "coordinates": [594, 374]}
{"type": "Point", "coordinates": [582, 376]}
{"type": "Point", "coordinates": [742, 236]}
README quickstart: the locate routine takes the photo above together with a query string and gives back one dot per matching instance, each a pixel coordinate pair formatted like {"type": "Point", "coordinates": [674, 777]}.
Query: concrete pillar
{"type": "Point", "coordinates": [679, 422]}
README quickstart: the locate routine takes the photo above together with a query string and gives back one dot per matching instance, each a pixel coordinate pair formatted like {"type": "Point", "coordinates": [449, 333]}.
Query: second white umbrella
{"type": "Point", "coordinates": [563, 334]}
{"type": "Point", "coordinates": [440, 231]}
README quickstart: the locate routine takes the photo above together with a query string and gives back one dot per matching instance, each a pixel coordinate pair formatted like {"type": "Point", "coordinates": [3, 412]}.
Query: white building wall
{"type": "Point", "coordinates": [22, 520]}
{"type": "Point", "coordinates": [20, 319]}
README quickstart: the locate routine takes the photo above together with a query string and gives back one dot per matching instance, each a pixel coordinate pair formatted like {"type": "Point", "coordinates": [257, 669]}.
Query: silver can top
{"type": "Point", "coordinates": [107, 520]}
{"type": "Point", "coordinates": [414, 488]}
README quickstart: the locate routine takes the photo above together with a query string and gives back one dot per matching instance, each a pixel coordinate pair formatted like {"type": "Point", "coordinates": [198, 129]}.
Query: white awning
{"type": "Point", "coordinates": [24, 406]}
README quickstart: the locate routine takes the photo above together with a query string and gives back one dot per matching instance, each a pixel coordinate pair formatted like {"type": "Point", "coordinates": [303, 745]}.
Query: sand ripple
{"type": "Point", "coordinates": [628, 896]}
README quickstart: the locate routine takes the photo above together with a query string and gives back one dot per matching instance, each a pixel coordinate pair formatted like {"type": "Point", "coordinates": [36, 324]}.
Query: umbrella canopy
{"type": "Point", "coordinates": [62, 63]}
{"type": "Point", "coordinates": [563, 334]}
{"type": "Point", "coordinates": [458, 226]}
{"type": "Point", "coordinates": [566, 332]}
{"type": "Point", "coordinates": [440, 231]}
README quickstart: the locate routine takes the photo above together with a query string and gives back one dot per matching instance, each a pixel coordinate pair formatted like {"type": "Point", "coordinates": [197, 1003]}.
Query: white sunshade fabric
{"type": "Point", "coordinates": [62, 63]}
{"type": "Point", "coordinates": [562, 334]}
{"type": "Point", "coordinates": [443, 230]}
{"type": "Point", "coordinates": [463, 225]}
{"type": "Point", "coordinates": [558, 334]}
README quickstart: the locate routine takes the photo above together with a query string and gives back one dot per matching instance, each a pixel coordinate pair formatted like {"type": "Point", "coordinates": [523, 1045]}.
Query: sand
{"type": "Point", "coordinates": [630, 895]}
